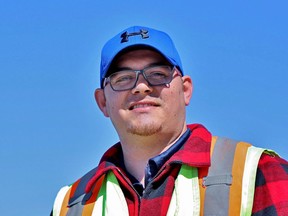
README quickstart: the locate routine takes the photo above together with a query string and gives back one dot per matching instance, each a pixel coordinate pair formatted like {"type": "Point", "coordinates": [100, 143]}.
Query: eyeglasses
{"type": "Point", "coordinates": [154, 75]}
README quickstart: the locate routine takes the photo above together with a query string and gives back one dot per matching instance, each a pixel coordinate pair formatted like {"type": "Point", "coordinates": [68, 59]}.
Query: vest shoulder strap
{"type": "Point", "coordinates": [219, 178]}
{"type": "Point", "coordinates": [80, 189]}
{"type": "Point", "coordinates": [231, 177]}
{"type": "Point", "coordinates": [70, 199]}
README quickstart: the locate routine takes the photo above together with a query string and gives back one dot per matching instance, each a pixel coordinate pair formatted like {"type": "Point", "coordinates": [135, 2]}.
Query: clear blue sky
{"type": "Point", "coordinates": [51, 131]}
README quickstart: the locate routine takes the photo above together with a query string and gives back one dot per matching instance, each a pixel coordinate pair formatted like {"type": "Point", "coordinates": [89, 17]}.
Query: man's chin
{"type": "Point", "coordinates": [144, 130]}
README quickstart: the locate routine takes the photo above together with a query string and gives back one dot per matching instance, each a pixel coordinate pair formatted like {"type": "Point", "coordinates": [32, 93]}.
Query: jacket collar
{"type": "Point", "coordinates": [195, 152]}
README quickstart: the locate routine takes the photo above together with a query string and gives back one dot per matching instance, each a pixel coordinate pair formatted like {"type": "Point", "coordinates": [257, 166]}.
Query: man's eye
{"type": "Point", "coordinates": [158, 74]}
{"type": "Point", "coordinates": [122, 79]}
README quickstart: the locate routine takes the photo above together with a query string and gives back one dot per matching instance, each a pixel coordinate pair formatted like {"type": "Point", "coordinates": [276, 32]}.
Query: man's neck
{"type": "Point", "coordinates": [137, 150]}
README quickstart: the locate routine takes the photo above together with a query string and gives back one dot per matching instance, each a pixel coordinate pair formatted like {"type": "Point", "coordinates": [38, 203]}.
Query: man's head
{"type": "Point", "coordinates": [144, 92]}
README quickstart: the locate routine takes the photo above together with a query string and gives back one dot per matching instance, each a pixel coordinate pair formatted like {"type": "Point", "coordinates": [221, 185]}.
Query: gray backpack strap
{"type": "Point", "coordinates": [219, 178]}
{"type": "Point", "coordinates": [77, 202]}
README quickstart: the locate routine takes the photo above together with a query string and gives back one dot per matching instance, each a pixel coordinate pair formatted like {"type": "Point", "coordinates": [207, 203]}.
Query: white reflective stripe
{"type": "Point", "coordinates": [249, 177]}
{"type": "Point", "coordinates": [113, 208]}
{"type": "Point", "coordinates": [185, 198]}
{"type": "Point", "coordinates": [111, 198]}
{"type": "Point", "coordinates": [59, 200]}
{"type": "Point", "coordinates": [186, 195]}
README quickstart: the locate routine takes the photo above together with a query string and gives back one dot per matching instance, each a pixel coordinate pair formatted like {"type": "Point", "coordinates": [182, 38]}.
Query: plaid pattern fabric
{"type": "Point", "coordinates": [271, 195]}
{"type": "Point", "coordinates": [271, 187]}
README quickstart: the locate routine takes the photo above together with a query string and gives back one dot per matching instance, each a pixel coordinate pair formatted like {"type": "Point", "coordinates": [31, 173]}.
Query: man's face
{"type": "Point", "coordinates": [146, 110]}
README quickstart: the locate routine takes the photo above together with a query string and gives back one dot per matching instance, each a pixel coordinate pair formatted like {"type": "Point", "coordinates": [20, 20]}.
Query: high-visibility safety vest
{"type": "Point", "coordinates": [228, 189]}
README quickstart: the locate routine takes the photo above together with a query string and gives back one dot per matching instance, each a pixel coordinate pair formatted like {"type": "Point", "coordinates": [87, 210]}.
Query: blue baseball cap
{"type": "Point", "coordinates": [138, 36]}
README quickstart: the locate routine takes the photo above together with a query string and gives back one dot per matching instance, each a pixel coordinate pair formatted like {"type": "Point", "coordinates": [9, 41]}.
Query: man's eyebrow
{"type": "Point", "coordinates": [160, 63]}
{"type": "Point", "coordinates": [115, 69]}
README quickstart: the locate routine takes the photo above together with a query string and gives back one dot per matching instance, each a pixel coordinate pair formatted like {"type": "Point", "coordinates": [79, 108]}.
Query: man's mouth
{"type": "Point", "coordinates": [142, 105]}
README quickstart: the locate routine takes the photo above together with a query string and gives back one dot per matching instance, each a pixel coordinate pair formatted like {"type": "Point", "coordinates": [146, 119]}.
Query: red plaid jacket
{"type": "Point", "coordinates": [271, 188]}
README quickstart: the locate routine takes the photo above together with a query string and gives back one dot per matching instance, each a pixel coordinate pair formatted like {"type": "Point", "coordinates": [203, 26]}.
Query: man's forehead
{"type": "Point", "coordinates": [140, 52]}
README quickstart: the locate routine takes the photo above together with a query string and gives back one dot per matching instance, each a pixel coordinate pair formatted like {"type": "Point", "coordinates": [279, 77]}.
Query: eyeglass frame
{"type": "Point", "coordinates": [173, 68]}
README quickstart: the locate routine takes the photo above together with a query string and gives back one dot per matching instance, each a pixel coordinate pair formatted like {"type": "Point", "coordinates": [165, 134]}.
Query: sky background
{"type": "Point", "coordinates": [51, 131]}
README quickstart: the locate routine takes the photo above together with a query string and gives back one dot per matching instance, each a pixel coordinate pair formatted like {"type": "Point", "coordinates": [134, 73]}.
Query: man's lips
{"type": "Point", "coordinates": [142, 105]}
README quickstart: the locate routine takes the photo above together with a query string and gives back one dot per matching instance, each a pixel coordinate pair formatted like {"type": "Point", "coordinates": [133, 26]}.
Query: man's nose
{"type": "Point", "coordinates": [142, 86]}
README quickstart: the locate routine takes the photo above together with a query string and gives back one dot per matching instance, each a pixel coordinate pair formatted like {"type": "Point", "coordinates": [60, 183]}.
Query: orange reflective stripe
{"type": "Point", "coordinates": [202, 196]}
{"type": "Point", "coordinates": [88, 209]}
{"type": "Point", "coordinates": [64, 208]}
{"type": "Point", "coordinates": [213, 142]}
{"type": "Point", "coordinates": [201, 187]}
{"type": "Point", "coordinates": [237, 173]}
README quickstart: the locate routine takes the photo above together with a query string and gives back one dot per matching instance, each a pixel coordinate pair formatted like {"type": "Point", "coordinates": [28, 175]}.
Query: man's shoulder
{"type": "Point", "coordinates": [82, 182]}
{"type": "Point", "coordinates": [78, 188]}
{"type": "Point", "coordinates": [74, 193]}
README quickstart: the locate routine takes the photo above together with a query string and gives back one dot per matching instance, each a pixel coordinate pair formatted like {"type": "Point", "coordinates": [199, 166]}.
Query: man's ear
{"type": "Point", "coordinates": [101, 101]}
{"type": "Point", "coordinates": [187, 89]}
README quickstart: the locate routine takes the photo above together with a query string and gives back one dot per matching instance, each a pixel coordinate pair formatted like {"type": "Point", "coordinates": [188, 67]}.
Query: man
{"type": "Point", "coordinates": [162, 166]}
